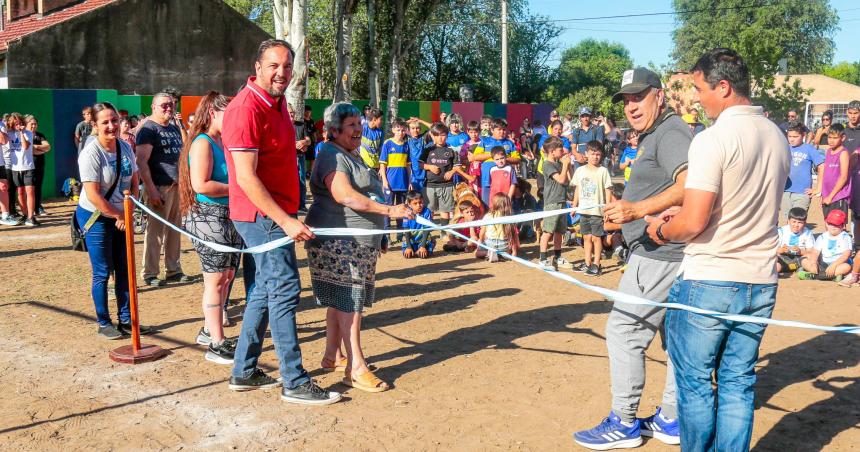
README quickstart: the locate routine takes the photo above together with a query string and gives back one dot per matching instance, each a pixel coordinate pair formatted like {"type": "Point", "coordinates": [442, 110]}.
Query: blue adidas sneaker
{"type": "Point", "coordinates": [610, 434]}
{"type": "Point", "coordinates": [662, 428]}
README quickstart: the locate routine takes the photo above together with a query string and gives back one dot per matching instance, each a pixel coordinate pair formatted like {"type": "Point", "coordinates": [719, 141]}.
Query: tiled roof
{"type": "Point", "coordinates": [30, 24]}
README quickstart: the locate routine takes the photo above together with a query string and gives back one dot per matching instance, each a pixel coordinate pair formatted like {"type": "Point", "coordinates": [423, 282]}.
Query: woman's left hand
{"type": "Point", "coordinates": [120, 224]}
{"type": "Point", "coordinates": [400, 211]}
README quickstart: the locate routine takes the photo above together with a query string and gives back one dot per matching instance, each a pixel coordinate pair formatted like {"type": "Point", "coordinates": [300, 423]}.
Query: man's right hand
{"type": "Point", "coordinates": [297, 230]}
{"type": "Point", "coordinates": [153, 197]}
{"type": "Point", "coordinates": [620, 212]}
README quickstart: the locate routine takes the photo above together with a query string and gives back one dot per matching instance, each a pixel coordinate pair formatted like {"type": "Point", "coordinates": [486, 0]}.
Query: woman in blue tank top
{"type": "Point", "coordinates": [206, 214]}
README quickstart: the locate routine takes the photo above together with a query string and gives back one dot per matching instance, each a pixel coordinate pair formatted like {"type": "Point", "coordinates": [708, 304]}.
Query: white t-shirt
{"type": "Point", "coordinates": [832, 247]}
{"type": "Point", "coordinates": [744, 158]}
{"type": "Point", "coordinates": [98, 165]}
{"type": "Point", "coordinates": [3, 147]}
{"type": "Point", "coordinates": [591, 185]}
{"type": "Point", "coordinates": [19, 157]}
{"type": "Point", "coordinates": [803, 240]}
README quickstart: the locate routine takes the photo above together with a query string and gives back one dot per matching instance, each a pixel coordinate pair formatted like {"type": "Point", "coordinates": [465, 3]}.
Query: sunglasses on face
{"type": "Point", "coordinates": [166, 105]}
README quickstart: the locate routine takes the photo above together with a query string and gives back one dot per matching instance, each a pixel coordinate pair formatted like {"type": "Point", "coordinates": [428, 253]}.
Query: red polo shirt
{"type": "Point", "coordinates": [256, 122]}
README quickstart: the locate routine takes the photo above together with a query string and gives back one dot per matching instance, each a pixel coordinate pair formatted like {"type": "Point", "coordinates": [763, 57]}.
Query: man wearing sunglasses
{"type": "Point", "coordinates": [159, 142]}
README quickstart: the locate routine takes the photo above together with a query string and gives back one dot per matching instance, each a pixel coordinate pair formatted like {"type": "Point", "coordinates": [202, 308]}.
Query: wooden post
{"type": "Point", "coordinates": [137, 352]}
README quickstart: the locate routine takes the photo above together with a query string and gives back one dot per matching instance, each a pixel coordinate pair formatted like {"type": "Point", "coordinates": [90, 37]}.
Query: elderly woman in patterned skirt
{"type": "Point", "coordinates": [347, 194]}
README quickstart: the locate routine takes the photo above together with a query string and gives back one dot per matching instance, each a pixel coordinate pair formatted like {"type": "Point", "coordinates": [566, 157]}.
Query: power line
{"type": "Point", "coordinates": [619, 31]}
{"type": "Point", "coordinates": [619, 16]}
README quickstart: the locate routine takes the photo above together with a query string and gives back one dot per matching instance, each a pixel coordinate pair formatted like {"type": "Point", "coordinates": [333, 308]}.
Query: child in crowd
{"type": "Point", "coordinates": [795, 241]}
{"type": "Point", "coordinates": [499, 237]}
{"type": "Point", "coordinates": [629, 155]}
{"type": "Point", "coordinates": [468, 159]}
{"type": "Point", "coordinates": [831, 257]}
{"type": "Point", "coordinates": [613, 241]}
{"type": "Point", "coordinates": [18, 152]}
{"type": "Point", "coordinates": [593, 188]}
{"type": "Point", "coordinates": [456, 137]}
{"type": "Point", "coordinates": [503, 178]}
{"type": "Point", "coordinates": [486, 125]}
{"type": "Point", "coordinates": [441, 164]}
{"type": "Point", "coordinates": [417, 243]}
{"type": "Point", "coordinates": [833, 178]}
{"type": "Point", "coordinates": [556, 167]}
{"type": "Point", "coordinates": [468, 213]}
{"type": "Point", "coordinates": [416, 144]}
{"type": "Point", "coordinates": [483, 152]}
{"type": "Point", "coordinates": [805, 159]}
{"type": "Point", "coordinates": [371, 138]}
{"type": "Point", "coordinates": [394, 167]}
{"type": "Point", "coordinates": [319, 145]}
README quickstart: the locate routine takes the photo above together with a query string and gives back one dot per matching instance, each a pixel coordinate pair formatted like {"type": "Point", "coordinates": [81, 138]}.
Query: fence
{"type": "Point", "coordinates": [59, 111]}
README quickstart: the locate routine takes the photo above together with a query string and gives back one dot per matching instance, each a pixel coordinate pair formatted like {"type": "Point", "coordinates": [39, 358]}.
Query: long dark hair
{"type": "Point", "coordinates": [212, 100]}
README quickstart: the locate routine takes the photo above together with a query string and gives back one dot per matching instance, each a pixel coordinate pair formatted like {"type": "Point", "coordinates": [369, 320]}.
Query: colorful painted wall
{"type": "Point", "coordinates": [59, 111]}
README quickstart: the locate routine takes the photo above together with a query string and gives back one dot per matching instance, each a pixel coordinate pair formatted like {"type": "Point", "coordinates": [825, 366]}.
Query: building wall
{"type": "Point", "coordinates": [141, 46]}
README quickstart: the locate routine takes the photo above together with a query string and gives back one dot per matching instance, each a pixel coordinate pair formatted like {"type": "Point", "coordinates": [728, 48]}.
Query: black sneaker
{"type": "Point", "coordinates": [310, 394]}
{"type": "Point", "coordinates": [594, 270]}
{"type": "Point", "coordinates": [41, 211]}
{"type": "Point", "coordinates": [582, 268]}
{"type": "Point", "coordinates": [203, 337]}
{"type": "Point", "coordinates": [109, 332]}
{"type": "Point", "coordinates": [257, 380]}
{"type": "Point", "coordinates": [125, 328]}
{"type": "Point", "coordinates": [153, 281]}
{"type": "Point", "coordinates": [220, 353]}
{"type": "Point", "coordinates": [32, 222]}
{"type": "Point", "coordinates": [179, 278]}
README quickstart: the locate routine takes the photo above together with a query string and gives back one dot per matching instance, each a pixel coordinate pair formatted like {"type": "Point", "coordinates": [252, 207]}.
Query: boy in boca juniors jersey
{"type": "Point", "coordinates": [482, 153]}
{"type": "Point", "coordinates": [394, 166]}
{"type": "Point", "coordinates": [468, 158]}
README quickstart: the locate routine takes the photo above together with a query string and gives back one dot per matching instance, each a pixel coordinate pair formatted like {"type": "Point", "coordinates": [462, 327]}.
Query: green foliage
{"type": "Point", "coordinates": [779, 99]}
{"type": "Point", "coordinates": [845, 71]}
{"type": "Point", "coordinates": [592, 63]}
{"type": "Point", "coordinates": [598, 98]}
{"type": "Point", "coordinates": [799, 30]}
{"type": "Point", "coordinates": [259, 11]}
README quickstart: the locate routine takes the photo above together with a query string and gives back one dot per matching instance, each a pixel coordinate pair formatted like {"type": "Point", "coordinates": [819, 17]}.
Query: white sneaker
{"type": "Point", "coordinates": [492, 256]}
{"type": "Point", "coordinates": [562, 262]}
{"type": "Point", "coordinates": [546, 264]}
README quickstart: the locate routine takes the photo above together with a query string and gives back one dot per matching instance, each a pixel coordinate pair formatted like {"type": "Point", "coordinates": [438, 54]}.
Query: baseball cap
{"type": "Point", "coordinates": [584, 111]}
{"type": "Point", "coordinates": [854, 105]}
{"type": "Point", "coordinates": [553, 113]}
{"type": "Point", "coordinates": [637, 80]}
{"type": "Point", "coordinates": [835, 218]}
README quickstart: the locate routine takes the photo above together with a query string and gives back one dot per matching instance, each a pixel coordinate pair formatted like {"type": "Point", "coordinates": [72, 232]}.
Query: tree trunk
{"type": "Point", "coordinates": [394, 69]}
{"type": "Point", "coordinates": [343, 51]}
{"type": "Point", "coordinates": [373, 71]}
{"type": "Point", "coordinates": [296, 90]}
{"type": "Point", "coordinates": [281, 12]}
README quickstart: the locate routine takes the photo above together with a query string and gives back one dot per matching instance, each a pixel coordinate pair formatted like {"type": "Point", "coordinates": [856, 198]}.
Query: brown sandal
{"type": "Point", "coordinates": [366, 382]}
{"type": "Point", "coordinates": [327, 366]}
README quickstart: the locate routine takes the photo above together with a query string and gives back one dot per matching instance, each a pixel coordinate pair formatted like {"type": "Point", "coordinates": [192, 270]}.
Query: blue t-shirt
{"type": "Point", "coordinates": [804, 160]}
{"type": "Point", "coordinates": [565, 143]}
{"type": "Point", "coordinates": [396, 158]}
{"type": "Point", "coordinates": [456, 142]}
{"type": "Point", "coordinates": [427, 214]}
{"type": "Point", "coordinates": [581, 136]}
{"type": "Point", "coordinates": [219, 171]}
{"type": "Point", "coordinates": [416, 148]}
{"type": "Point", "coordinates": [317, 149]}
{"type": "Point", "coordinates": [628, 154]}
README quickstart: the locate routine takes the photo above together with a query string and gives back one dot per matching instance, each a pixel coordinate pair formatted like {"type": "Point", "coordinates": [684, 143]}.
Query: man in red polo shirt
{"type": "Point", "coordinates": [259, 137]}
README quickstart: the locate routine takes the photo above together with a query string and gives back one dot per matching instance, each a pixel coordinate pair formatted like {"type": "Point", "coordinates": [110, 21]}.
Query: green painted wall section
{"type": "Point", "coordinates": [39, 103]}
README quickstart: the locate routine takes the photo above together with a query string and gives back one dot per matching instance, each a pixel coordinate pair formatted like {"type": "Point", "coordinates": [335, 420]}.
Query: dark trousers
{"type": "Point", "coordinates": [39, 160]}
{"type": "Point", "coordinates": [13, 192]}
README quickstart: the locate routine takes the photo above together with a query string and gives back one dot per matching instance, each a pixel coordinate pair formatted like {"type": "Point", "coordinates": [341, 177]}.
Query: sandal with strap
{"type": "Point", "coordinates": [340, 366]}
{"type": "Point", "coordinates": [366, 382]}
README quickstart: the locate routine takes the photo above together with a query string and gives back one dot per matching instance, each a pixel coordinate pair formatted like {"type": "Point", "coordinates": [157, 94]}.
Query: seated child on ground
{"type": "Point", "coordinates": [468, 212]}
{"type": "Point", "coordinates": [417, 243]}
{"type": "Point", "coordinates": [795, 241]}
{"type": "Point", "coordinates": [499, 237]}
{"type": "Point", "coordinates": [831, 256]}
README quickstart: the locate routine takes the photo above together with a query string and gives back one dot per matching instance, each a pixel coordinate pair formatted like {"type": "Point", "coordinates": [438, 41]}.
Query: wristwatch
{"type": "Point", "coordinates": [660, 232]}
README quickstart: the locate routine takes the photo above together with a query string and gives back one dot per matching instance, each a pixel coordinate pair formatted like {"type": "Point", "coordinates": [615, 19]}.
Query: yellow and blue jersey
{"type": "Point", "coordinates": [371, 141]}
{"type": "Point", "coordinates": [395, 156]}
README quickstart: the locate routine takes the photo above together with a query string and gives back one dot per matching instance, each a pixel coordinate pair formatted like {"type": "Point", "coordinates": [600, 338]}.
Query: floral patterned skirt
{"type": "Point", "coordinates": [343, 274]}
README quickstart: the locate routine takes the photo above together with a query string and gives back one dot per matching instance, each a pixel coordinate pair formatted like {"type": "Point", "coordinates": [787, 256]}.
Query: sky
{"type": "Point", "coordinates": [649, 39]}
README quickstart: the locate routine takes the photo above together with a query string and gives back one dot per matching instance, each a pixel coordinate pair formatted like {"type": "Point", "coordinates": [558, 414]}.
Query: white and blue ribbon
{"type": "Point", "coordinates": [512, 219]}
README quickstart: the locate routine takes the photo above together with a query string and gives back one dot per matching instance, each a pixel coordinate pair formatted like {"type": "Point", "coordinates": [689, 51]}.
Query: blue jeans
{"type": "Point", "coordinates": [700, 346]}
{"type": "Point", "coordinates": [300, 161]}
{"type": "Point", "coordinates": [272, 302]}
{"type": "Point", "coordinates": [106, 248]}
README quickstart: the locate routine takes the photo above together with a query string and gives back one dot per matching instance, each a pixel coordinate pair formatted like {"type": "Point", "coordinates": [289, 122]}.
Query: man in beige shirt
{"type": "Point", "coordinates": [735, 179]}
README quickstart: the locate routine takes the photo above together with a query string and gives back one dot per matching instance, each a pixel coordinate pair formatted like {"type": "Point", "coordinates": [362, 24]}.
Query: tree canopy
{"type": "Point", "coordinates": [845, 71]}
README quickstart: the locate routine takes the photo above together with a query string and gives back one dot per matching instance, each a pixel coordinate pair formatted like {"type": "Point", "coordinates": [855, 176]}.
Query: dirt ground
{"type": "Point", "coordinates": [481, 357]}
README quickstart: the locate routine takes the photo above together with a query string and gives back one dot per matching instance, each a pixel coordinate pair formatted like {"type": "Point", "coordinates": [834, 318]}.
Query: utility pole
{"type": "Point", "coordinates": [504, 51]}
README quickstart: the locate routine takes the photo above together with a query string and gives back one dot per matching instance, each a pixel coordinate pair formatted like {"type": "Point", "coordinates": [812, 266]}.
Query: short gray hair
{"type": "Point", "coordinates": [336, 113]}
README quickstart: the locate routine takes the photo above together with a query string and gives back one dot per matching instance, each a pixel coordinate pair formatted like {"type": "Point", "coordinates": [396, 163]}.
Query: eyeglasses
{"type": "Point", "coordinates": [825, 119]}
{"type": "Point", "coordinates": [166, 105]}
